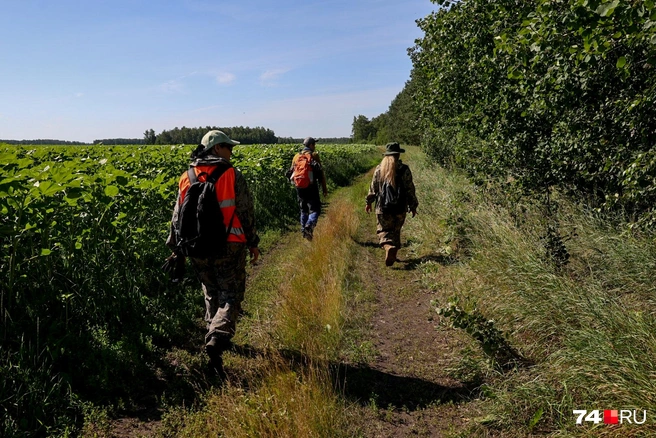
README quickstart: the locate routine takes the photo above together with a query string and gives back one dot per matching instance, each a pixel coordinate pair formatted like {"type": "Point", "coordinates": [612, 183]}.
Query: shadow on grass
{"type": "Point", "coordinates": [411, 264]}
{"type": "Point", "coordinates": [374, 244]}
{"type": "Point", "coordinates": [183, 384]}
{"type": "Point", "coordinates": [368, 244]}
{"type": "Point", "coordinates": [366, 385]}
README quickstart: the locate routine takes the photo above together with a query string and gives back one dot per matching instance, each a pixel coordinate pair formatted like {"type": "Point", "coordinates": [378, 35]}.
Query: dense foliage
{"type": "Point", "coordinates": [398, 123]}
{"type": "Point", "coordinates": [545, 93]}
{"type": "Point", "coordinates": [322, 140]}
{"type": "Point", "coordinates": [86, 313]}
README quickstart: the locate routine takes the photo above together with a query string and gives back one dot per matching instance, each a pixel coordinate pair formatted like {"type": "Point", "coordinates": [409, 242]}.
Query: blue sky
{"type": "Point", "coordinates": [90, 69]}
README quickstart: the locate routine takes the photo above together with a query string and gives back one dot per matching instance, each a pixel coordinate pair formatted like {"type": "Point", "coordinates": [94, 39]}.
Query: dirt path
{"type": "Point", "coordinates": [412, 393]}
{"type": "Point", "coordinates": [403, 387]}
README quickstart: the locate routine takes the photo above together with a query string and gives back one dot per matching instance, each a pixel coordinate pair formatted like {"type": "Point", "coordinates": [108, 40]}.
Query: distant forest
{"type": "Point", "coordinates": [43, 141]}
{"type": "Point", "coordinates": [184, 135]}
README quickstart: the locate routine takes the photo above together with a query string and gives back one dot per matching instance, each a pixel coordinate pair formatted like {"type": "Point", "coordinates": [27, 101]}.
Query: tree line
{"type": "Point", "coordinates": [539, 94]}
{"type": "Point", "coordinates": [398, 123]}
{"type": "Point", "coordinates": [184, 135]}
{"type": "Point", "coordinates": [43, 141]}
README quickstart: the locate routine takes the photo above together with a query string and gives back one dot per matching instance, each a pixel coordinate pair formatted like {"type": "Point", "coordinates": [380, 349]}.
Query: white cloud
{"type": "Point", "coordinates": [172, 86]}
{"type": "Point", "coordinates": [79, 94]}
{"type": "Point", "coordinates": [204, 109]}
{"type": "Point", "coordinates": [270, 76]}
{"type": "Point", "coordinates": [225, 78]}
{"type": "Point", "coordinates": [176, 85]}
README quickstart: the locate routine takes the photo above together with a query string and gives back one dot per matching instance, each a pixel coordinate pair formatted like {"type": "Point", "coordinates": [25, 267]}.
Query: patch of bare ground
{"type": "Point", "coordinates": [406, 390]}
{"type": "Point", "coordinates": [134, 427]}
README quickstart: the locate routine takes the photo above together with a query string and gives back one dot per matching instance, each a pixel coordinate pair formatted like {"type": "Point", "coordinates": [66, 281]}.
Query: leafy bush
{"type": "Point", "coordinates": [85, 309]}
{"type": "Point", "coordinates": [561, 92]}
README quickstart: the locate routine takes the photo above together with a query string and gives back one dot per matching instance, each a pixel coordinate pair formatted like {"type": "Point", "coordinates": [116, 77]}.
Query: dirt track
{"type": "Point", "coordinates": [403, 387]}
{"type": "Point", "coordinates": [412, 393]}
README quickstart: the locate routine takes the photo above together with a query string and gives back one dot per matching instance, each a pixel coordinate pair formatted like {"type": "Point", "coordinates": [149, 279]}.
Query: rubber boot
{"type": "Point", "coordinates": [390, 255]}
{"type": "Point", "coordinates": [214, 349]}
{"type": "Point", "coordinates": [393, 252]}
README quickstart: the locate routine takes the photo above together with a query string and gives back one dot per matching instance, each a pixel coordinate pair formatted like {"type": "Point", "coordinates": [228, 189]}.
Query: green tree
{"type": "Point", "coordinates": [402, 123]}
{"type": "Point", "coordinates": [149, 136]}
{"type": "Point", "coordinates": [560, 93]}
{"type": "Point", "coordinates": [363, 131]}
{"type": "Point", "coordinates": [380, 124]}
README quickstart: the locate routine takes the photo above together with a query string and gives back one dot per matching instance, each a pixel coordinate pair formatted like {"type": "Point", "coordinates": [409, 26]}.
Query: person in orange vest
{"type": "Point", "coordinates": [223, 277]}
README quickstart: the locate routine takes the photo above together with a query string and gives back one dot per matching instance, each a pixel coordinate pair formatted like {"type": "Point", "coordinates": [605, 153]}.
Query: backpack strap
{"type": "Point", "coordinates": [192, 175]}
{"type": "Point", "coordinates": [216, 173]}
{"type": "Point", "coordinates": [212, 177]}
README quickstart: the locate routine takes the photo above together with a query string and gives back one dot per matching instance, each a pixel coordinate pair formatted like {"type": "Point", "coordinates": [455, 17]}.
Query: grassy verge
{"type": "Point", "coordinates": [585, 331]}
{"type": "Point", "coordinates": [279, 382]}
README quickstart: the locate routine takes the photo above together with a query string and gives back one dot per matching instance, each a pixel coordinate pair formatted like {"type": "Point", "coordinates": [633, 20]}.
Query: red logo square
{"type": "Point", "coordinates": [610, 417]}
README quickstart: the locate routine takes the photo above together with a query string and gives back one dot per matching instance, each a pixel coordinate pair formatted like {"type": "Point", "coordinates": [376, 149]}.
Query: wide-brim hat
{"type": "Point", "coordinates": [215, 137]}
{"type": "Point", "coordinates": [393, 149]}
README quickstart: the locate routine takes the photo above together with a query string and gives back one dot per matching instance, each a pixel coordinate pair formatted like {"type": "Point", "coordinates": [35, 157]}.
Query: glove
{"type": "Point", "coordinates": [175, 266]}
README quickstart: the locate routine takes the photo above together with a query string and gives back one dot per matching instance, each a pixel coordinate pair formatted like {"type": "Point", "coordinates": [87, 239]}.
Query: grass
{"type": "Point", "coordinates": [294, 328]}
{"type": "Point", "coordinates": [585, 329]}
{"type": "Point", "coordinates": [285, 403]}
{"type": "Point", "coordinates": [588, 328]}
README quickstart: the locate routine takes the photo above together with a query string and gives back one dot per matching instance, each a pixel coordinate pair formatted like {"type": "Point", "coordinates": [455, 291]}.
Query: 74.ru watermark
{"type": "Point", "coordinates": [611, 416]}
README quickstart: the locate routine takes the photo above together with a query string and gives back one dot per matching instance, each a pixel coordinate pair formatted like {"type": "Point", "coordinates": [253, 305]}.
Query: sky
{"type": "Point", "coordinates": [81, 70]}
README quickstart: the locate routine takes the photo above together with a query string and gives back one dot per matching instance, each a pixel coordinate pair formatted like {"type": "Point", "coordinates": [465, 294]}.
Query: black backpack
{"type": "Point", "coordinates": [392, 199]}
{"type": "Point", "coordinates": [200, 231]}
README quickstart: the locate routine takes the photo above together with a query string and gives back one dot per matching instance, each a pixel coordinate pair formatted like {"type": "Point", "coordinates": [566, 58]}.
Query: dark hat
{"type": "Point", "coordinates": [393, 149]}
{"type": "Point", "coordinates": [308, 141]}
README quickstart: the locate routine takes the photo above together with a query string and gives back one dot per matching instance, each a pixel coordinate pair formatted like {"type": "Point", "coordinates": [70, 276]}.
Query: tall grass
{"type": "Point", "coordinates": [588, 328]}
{"type": "Point", "coordinates": [284, 403]}
{"type": "Point", "coordinates": [310, 309]}
{"type": "Point", "coordinates": [291, 391]}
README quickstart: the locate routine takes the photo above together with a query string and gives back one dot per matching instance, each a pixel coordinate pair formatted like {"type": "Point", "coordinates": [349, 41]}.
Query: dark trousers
{"type": "Point", "coordinates": [310, 204]}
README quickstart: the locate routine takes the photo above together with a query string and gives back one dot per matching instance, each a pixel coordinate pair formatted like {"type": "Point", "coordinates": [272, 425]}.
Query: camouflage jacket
{"type": "Point", "coordinates": [244, 209]}
{"type": "Point", "coordinates": [403, 171]}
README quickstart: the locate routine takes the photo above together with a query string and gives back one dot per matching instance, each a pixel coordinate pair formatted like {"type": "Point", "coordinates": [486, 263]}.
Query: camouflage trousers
{"type": "Point", "coordinates": [224, 282]}
{"type": "Point", "coordinates": [389, 227]}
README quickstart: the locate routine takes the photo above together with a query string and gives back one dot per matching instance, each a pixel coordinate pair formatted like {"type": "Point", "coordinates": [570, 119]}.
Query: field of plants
{"type": "Point", "coordinates": [86, 312]}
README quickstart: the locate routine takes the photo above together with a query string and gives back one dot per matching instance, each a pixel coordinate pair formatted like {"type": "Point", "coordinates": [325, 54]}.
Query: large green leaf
{"type": "Point", "coordinates": [607, 9]}
{"type": "Point", "coordinates": [621, 62]}
{"type": "Point", "coordinates": [111, 191]}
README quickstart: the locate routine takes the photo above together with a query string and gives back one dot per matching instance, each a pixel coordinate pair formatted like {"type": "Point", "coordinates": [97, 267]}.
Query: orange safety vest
{"type": "Point", "coordinates": [225, 194]}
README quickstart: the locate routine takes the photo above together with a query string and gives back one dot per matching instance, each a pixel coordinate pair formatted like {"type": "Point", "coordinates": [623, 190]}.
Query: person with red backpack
{"type": "Point", "coordinates": [213, 225]}
{"type": "Point", "coordinates": [306, 173]}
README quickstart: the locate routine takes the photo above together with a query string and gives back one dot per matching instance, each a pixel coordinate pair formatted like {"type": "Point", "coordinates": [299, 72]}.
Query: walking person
{"type": "Point", "coordinates": [394, 193]}
{"type": "Point", "coordinates": [307, 173]}
{"type": "Point", "coordinates": [220, 266]}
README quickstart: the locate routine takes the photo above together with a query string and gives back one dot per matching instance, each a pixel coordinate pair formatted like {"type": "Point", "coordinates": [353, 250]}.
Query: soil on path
{"type": "Point", "coordinates": [412, 394]}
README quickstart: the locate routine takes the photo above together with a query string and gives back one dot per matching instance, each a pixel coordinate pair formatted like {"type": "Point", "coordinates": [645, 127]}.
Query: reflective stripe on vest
{"type": "Point", "coordinates": [225, 194]}
{"type": "Point", "coordinates": [227, 203]}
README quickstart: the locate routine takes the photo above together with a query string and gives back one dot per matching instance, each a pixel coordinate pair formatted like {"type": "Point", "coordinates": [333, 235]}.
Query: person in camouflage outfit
{"type": "Point", "coordinates": [389, 224]}
{"type": "Point", "coordinates": [223, 277]}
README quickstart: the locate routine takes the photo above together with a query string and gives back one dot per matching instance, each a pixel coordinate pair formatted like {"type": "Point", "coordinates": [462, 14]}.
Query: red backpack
{"type": "Point", "coordinates": [303, 175]}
